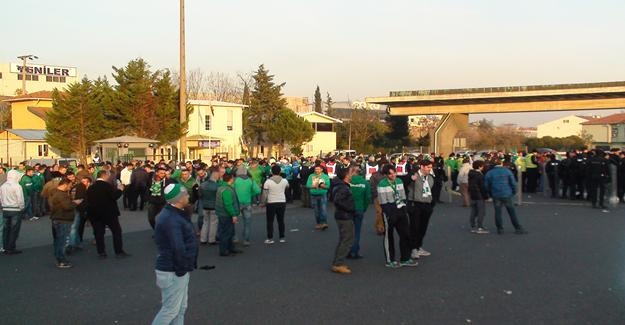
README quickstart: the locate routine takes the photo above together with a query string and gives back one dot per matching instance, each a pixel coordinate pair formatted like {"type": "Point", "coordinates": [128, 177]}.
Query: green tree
{"type": "Point", "coordinates": [104, 96]}
{"type": "Point", "coordinates": [76, 120]}
{"type": "Point", "coordinates": [166, 105]}
{"type": "Point", "coordinates": [293, 130]}
{"type": "Point", "coordinates": [265, 103]}
{"type": "Point", "coordinates": [329, 104]}
{"type": "Point", "coordinates": [398, 133]}
{"type": "Point", "coordinates": [318, 103]}
{"type": "Point", "coordinates": [245, 100]}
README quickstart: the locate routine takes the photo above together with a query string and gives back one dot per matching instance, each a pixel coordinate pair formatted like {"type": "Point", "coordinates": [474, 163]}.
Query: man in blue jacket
{"type": "Point", "coordinates": [501, 185]}
{"type": "Point", "coordinates": [177, 255]}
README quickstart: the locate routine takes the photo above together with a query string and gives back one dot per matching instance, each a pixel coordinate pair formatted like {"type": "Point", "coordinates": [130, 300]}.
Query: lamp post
{"type": "Point", "coordinates": [183, 86]}
{"type": "Point", "coordinates": [24, 58]}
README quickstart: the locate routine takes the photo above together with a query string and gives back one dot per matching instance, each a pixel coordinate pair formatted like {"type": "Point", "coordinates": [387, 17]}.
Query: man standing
{"type": "Point", "coordinates": [598, 172]}
{"type": "Point", "coordinates": [12, 198]}
{"type": "Point", "coordinates": [27, 186]}
{"type": "Point", "coordinates": [392, 198]}
{"type": "Point", "coordinates": [478, 194]}
{"type": "Point", "coordinates": [139, 180]}
{"type": "Point", "coordinates": [375, 179]}
{"type": "Point", "coordinates": [531, 168]}
{"type": "Point", "coordinates": [501, 186]}
{"type": "Point", "coordinates": [177, 255]}
{"type": "Point", "coordinates": [344, 215]}
{"type": "Point", "coordinates": [227, 209]}
{"type": "Point", "coordinates": [420, 207]}
{"type": "Point", "coordinates": [319, 183]}
{"type": "Point", "coordinates": [103, 211]}
{"type": "Point", "coordinates": [208, 193]}
{"type": "Point", "coordinates": [246, 189]}
{"type": "Point", "coordinates": [156, 195]}
{"type": "Point", "coordinates": [274, 190]}
{"type": "Point", "coordinates": [361, 193]}
{"type": "Point", "coordinates": [62, 217]}
{"type": "Point", "coordinates": [125, 178]}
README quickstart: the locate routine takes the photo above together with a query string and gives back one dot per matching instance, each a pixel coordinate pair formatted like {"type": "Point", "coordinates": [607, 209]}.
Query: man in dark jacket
{"type": "Point", "coordinates": [139, 180]}
{"type": "Point", "coordinates": [478, 195]}
{"type": "Point", "coordinates": [344, 215]}
{"type": "Point", "coordinates": [177, 255]}
{"type": "Point", "coordinates": [62, 217]}
{"type": "Point", "coordinates": [103, 211]}
{"type": "Point", "coordinates": [598, 173]}
{"type": "Point", "coordinates": [156, 195]}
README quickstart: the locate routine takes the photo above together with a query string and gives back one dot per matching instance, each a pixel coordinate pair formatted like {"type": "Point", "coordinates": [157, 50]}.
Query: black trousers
{"type": "Point", "coordinates": [81, 225]}
{"type": "Point", "coordinates": [395, 220]}
{"type": "Point", "coordinates": [275, 210]}
{"type": "Point", "coordinates": [99, 227]}
{"type": "Point", "coordinates": [596, 191]}
{"type": "Point", "coordinates": [295, 189]}
{"type": "Point", "coordinates": [532, 180]}
{"type": "Point", "coordinates": [436, 192]}
{"type": "Point", "coordinates": [153, 210]}
{"type": "Point", "coordinates": [419, 215]}
{"type": "Point", "coordinates": [553, 184]}
{"type": "Point", "coordinates": [139, 192]}
{"type": "Point", "coordinates": [128, 189]}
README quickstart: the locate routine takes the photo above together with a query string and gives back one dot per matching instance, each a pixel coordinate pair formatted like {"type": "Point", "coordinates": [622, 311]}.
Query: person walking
{"type": "Point", "coordinates": [392, 198]}
{"type": "Point", "coordinates": [319, 184]}
{"type": "Point", "coordinates": [463, 181]}
{"type": "Point", "coordinates": [246, 190]}
{"type": "Point", "coordinates": [177, 246]}
{"type": "Point", "coordinates": [479, 195]}
{"type": "Point", "coordinates": [104, 212]}
{"type": "Point", "coordinates": [501, 186]}
{"type": "Point", "coordinates": [420, 207]}
{"type": "Point", "coordinates": [344, 215]}
{"type": "Point", "coordinates": [275, 198]}
{"type": "Point", "coordinates": [227, 209]}
{"type": "Point", "coordinates": [361, 193]}
{"type": "Point", "coordinates": [62, 217]}
{"type": "Point", "coordinates": [12, 199]}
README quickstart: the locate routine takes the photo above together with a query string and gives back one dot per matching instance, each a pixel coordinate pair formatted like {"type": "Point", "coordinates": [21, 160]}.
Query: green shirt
{"type": "Point", "coordinates": [361, 192]}
{"type": "Point", "coordinates": [314, 179]}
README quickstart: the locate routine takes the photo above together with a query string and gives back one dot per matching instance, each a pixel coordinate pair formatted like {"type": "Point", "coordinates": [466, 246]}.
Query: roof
{"type": "Point", "coordinates": [29, 134]}
{"type": "Point", "coordinates": [41, 112]}
{"type": "Point", "coordinates": [126, 139]}
{"type": "Point", "coordinates": [38, 95]}
{"type": "Point", "coordinates": [218, 103]}
{"type": "Point", "coordinates": [610, 119]}
{"type": "Point", "coordinates": [320, 115]}
{"type": "Point", "coordinates": [588, 117]}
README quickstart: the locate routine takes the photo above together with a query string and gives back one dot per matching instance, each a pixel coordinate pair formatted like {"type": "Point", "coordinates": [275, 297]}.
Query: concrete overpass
{"type": "Point", "coordinates": [456, 104]}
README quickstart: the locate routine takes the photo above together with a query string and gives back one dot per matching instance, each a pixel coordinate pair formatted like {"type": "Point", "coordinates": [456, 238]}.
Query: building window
{"type": "Point", "coordinates": [55, 79]}
{"type": "Point", "coordinates": [324, 127]}
{"type": "Point", "coordinates": [229, 122]}
{"type": "Point", "coordinates": [614, 132]}
{"type": "Point", "coordinates": [28, 77]}
{"type": "Point", "coordinates": [565, 121]}
{"type": "Point", "coordinates": [42, 150]}
{"type": "Point", "coordinates": [207, 122]}
{"type": "Point", "coordinates": [0, 75]}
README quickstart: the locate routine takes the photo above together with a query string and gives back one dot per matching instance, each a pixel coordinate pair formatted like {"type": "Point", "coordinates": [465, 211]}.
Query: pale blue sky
{"type": "Point", "coordinates": [350, 48]}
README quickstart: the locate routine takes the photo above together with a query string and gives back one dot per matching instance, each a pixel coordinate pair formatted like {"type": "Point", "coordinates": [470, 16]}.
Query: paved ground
{"type": "Point", "coordinates": [569, 270]}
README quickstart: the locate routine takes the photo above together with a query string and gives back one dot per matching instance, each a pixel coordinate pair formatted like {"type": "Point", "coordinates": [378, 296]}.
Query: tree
{"type": "Point", "coordinates": [294, 131]}
{"type": "Point", "coordinates": [75, 120]}
{"type": "Point", "coordinates": [166, 105]}
{"type": "Point", "coordinates": [317, 102]}
{"type": "Point", "coordinates": [266, 101]}
{"type": "Point", "coordinates": [104, 96]}
{"type": "Point", "coordinates": [398, 134]}
{"type": "Point", "coordinates": [246, 95]}
{"type": "Point", "coordinates": [329, 104]}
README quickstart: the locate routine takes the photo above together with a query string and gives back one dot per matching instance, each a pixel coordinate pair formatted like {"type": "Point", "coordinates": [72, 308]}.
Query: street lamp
{"type": "Point", "coordinates": [24, 58]}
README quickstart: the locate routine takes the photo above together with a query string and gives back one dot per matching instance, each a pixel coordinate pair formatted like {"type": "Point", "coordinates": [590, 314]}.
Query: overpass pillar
{"type": "Point", "coordinates": [444, 134]}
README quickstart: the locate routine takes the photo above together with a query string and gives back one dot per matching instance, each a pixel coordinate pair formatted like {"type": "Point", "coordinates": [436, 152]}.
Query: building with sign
{"type": "Point", "coordinates": [215, 127]}
{"type": "Point", "coordinates": [607, 132]}
{"type": "Point", "coordinates": [38, 77]}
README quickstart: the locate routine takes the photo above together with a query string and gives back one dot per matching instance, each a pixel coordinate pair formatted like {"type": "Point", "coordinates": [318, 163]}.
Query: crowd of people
{"type": "Point", "coordinates": [194, 203]}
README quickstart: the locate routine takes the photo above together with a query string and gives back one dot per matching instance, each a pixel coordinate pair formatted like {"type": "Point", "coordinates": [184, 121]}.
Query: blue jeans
{"type": "Point", "coordinates": [28, 207]}
{"type": "Point", "coordinates": [226, 234]}
{"type": "Point", "coordinates": [246, 217]}
{"type": "Point", "coordinates": [320, 205]}
{"type": "Point", "coordinates": [60, 232]}
{"type": "Point", "coordinates": [74, 236]}
{"type": "Point", "coordinates": [174, 296]}
{"type": "Point", "coordinates": [507, 202]}
{"type": "Point", "coordinates": [11, 229]}
{"type": "Point", "coordinates": [358, 216]}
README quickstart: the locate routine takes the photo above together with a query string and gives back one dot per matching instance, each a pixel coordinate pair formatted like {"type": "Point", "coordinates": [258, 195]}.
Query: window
{"type": "Point", "coordinates": [28, 77]}
{"type": "Point", "coordinates": [614, 131]}
{"type": "Point", "coordinates": [229, 122]}
{"type": "Point", "coordinates": [207, 122]}
{"type": "Point", "coordinates": [0, 75]}
{"type": "Point", "coordinates": [55, 79]}
{"type": "Point", "coordinates": [42, 149]}
{"type": "Point", "coordinates": [565, 121]}
{"type": "Point", "coordinates": [324, 127]}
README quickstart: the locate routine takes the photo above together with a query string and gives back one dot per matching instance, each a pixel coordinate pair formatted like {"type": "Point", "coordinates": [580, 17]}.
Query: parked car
{"type": "Point", "coordinates": [70, 162]}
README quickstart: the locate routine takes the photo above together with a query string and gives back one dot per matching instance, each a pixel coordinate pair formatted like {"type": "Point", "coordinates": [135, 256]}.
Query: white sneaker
{"type": "Point", "coordinates": [34, 219]}
{"type": "Point", "coordinates": [415, 254]}
{"type": "Point", "coordinates": [269, 241]}
{"type": "Point", "coordinates": [423, 252]}
{"type": "Point", "coordinates": [282, 240]}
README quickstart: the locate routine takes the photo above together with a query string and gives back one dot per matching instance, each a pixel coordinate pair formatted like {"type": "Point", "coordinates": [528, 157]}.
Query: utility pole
{"type": "Point", "coordinates": [183, 87]}
{"type": "Point", "coordinates": [24, 58]}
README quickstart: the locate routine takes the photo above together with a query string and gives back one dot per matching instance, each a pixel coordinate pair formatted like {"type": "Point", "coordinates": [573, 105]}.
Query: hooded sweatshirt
{"type": "Point", "coordinates": [274, 189]}
{"type": "Point", "coordinates": [11, 193]}
{"type": "Point", "coordinates": [246, 188]}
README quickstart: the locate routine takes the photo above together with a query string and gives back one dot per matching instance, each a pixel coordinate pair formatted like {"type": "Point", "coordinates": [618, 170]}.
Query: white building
{"type": "Point", "coordinates": [38, 77]}
{"type": "Point", "coordinates": [563, 127]}
{"type": "Point", "coordinates": [215, 127]}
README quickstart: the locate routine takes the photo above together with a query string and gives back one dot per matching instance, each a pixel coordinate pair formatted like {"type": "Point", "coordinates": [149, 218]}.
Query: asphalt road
{"type": "Point", "coordinates": [569, 270]}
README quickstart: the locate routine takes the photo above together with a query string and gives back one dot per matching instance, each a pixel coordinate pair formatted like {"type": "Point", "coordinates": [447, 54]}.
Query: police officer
{"type": "Point", "coordinates": [440, 176]}
{"type": "Point", "coordinates": [598, 173]}
{"type": "Point", "coordinates": [552, 169]}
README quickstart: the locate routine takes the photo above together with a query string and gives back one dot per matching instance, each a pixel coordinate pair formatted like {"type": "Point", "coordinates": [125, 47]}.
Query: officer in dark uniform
{"type": "Point", "coordinates": [598, 173]}
{"type": "Point", "coordinates": [552, 169]}
{"type": "Point", "coordinates": [440, 176]}
{"type": "Point", "coordinates": [563, 174]}
{"type": "Point", "coordinates": [580, 175]}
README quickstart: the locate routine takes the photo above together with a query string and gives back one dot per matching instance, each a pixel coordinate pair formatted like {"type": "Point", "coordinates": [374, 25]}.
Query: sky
{"type": "Point", "coordinates": [351, 49]}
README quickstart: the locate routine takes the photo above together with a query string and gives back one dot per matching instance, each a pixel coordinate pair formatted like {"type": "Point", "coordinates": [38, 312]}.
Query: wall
{"type": "Point", "coordinates": [600, 133]}
{"type": "Point", "coordinates": [559, 129]}
{"type": "Point", "coordinates": [21, 118]}
{"type": "Point", "coordinates": [20, 150]}
{"type": "Point", "coordinates": [230, 140]}
{"type": "Point", "coordinates": [321, 141]}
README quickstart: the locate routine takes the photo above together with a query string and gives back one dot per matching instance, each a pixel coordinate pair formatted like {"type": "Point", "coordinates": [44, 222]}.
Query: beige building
{"type": "Point", "coordinates": [324, 140]}
{"type": "Point", "coordinates": [298, 104]}
{"type": "Point", "coordinates": [607, 132]}
{"type": "Point", "coordinates": [563, 127]}
{"type": "Point", "coordinates": [38, 77]}
{"type": "Point", "coordinates": [19, 145]}
{"type": "Point", "coordinates": [215, 127]}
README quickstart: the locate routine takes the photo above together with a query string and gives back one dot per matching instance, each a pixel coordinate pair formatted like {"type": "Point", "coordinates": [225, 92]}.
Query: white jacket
{"type": "Point", "coordinates": [463, 174]}
{"type": "Point", "coordinates": [11, 194]}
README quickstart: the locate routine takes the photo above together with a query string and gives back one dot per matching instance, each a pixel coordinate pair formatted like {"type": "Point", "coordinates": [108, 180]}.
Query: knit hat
{"type": "Point", "coordinates": [241, 171]}
{"type": "Point", "coordinates": [173, 193]}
